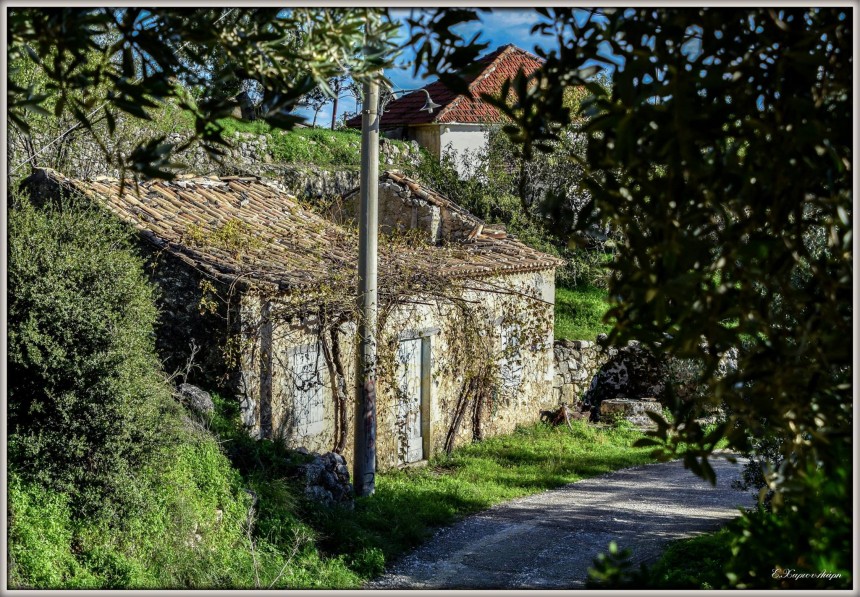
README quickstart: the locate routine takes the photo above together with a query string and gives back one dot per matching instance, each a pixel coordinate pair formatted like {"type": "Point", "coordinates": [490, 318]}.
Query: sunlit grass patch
{"type": "Point", "coordinates": [579, 313]}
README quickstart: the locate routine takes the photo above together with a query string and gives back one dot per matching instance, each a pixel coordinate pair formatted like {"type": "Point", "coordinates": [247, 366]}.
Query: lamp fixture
{"type": "Point", "coordinates": [428, 106]}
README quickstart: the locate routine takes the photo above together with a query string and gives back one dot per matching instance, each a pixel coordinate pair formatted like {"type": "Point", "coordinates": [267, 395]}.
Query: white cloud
{"type": "Point", "coordinates": [507, 18]}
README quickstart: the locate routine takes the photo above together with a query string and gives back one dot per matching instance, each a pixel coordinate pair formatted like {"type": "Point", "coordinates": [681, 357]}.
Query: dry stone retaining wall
{"type": "Point", "coordinates": [576, 364]}
{"type": "Point", "coordinates": [251, 154]}
{"type": "Point", "coordinates": [588, 373]}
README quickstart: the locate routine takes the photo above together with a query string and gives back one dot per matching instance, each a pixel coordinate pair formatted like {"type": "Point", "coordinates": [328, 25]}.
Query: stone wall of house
{"type": "Point", "coordinates": [523, 384]}
{"type": "Point", "coordinates": [189, 338]}
{"type": "Point", "coordinates": [273, 376]}
{"type": "Point", "coordinates": [401, 210]}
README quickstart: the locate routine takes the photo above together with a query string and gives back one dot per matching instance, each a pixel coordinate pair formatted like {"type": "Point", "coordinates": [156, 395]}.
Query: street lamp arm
{"type": "Point", "coordinates": [428, 106]}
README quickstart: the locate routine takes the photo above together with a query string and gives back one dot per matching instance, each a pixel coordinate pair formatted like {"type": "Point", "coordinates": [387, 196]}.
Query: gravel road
{"type": "Point", "coordinates": [548, 540]}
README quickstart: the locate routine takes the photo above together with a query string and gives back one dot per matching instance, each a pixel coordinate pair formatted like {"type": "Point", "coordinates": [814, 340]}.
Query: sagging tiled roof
{"type": "Point", "coordinates": [498, 67]}
{"type": "Point", "coordinates": [266, 236]}
{"type": "Point", "coordinates": [488, 248]}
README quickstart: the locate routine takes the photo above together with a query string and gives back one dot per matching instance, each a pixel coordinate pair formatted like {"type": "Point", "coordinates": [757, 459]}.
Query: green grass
{"type": "Point", "coordinates": [695, 563]}
{"type": "Point", "coordinates": [190, 530]}
{"type": "Point", "coordinates": [305, 146]}
{"type": "Point", "coordinates": [579, 313]}
{"type": "Point", "coordinates": [409, 504]}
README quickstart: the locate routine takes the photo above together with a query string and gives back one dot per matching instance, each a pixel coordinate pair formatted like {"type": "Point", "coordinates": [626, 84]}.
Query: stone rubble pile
{"type": "Point", "coordinates": [632, 373]}
{"type": "Point", "coordinates": [634, 411]}
{"type": "Point", "coordinates": [327, 479]}
{"type": "Point", "coordinates": [629, 379]}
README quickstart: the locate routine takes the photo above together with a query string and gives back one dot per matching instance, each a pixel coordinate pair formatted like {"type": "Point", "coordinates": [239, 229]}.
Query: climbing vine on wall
{"type": "Point", "coordinates": [486, 324]}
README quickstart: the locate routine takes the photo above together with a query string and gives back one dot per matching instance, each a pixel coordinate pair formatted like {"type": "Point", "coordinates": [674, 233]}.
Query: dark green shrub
{"type": "Point", "coordinates": [694, 563]}
{"type": "Point", "coordinates": [87, 404]}
{"type": "Point", "coordinates": [803, 539]}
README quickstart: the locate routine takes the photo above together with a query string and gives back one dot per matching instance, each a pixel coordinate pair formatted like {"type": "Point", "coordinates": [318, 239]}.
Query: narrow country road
{"type": "Point", "coordinates": [548, 540]}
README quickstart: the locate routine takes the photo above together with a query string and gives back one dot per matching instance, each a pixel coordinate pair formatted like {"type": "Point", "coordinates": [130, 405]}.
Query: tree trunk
{"type": "Point", "coordinates": [459, 412]}
{"type": "Point", "coordinates": [478, 413]}
{"type": "Point", "coordinates": [334, 113]}
{"type": "Point", "coordinates": [331, 354]}
{"type": "Point", "coordinates": [31, 151]}
{"type": "Point", "coordinates": [341, 384]}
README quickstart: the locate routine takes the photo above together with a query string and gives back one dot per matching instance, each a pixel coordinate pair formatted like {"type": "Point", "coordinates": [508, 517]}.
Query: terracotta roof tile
{"type": "Point", "coordinates": [501, 65]}
{"type": "Point", "coordinates": [279, 241]}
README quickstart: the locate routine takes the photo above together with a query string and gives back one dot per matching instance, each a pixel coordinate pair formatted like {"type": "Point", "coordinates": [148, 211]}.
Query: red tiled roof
{"type": "Point", "coordinates": [501, 65]}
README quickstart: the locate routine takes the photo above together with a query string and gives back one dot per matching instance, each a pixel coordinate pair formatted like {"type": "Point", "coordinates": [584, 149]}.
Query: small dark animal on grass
{"type": "Point", "coordinates": [546, 416]}
{"type": "Point", "coordinates": [556, 417]}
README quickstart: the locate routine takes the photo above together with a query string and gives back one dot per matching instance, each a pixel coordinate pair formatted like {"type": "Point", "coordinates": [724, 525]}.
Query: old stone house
{"type": "Point", "coordinates": [463, 121]}
{"type": "Point", "coordinates": [261, 288]}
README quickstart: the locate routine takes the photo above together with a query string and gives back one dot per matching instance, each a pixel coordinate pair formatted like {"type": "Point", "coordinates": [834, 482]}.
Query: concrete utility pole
{"type": "Point", "coordinates": [364, 466]}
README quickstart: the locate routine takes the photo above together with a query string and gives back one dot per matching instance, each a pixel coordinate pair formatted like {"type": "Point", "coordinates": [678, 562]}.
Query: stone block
{"type": "Point", "coordinates": [632, 410]}
{"type": "Point", "coordinates": [197, 400]}
{"type": "Point", "coordinates": [568, 394]}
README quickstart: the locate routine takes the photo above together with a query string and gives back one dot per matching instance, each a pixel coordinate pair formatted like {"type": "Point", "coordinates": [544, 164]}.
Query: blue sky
{"type": "Point", "coordinates": [500, 27]}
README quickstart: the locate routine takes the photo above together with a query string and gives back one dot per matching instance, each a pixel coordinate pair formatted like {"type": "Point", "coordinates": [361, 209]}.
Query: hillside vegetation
{"type": "Point", "coordinates": [305, 146]}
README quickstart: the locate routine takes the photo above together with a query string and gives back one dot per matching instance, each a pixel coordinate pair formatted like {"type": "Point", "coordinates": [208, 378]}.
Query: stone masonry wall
{"type": "Point", "coordinates": [587, 372]}
{"type": "Point", "coordinates": [251, 154]}
{"type": "Point", "coordinates": [269, 375]}
{"type": "Point", "coordinates": [576, 364]}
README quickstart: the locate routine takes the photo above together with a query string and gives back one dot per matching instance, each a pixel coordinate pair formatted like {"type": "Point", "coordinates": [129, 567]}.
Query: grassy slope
{"type": "Point", "coordinates": [306, 146]}
{"type": "Point", "coordinates": [350, 547]}
{"type": "Point", "coordinates": [579, 313]}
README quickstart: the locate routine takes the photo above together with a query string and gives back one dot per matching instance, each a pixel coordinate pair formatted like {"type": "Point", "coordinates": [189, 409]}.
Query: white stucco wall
{"type": "Point", "coordinates": [463, 139]}
{"type": "Point", "coordinates": [454, 137]}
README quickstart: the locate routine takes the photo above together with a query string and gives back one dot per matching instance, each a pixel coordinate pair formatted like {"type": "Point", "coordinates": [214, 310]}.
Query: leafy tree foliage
{"type": "Point", "coordinates": [149, 56]}
{"type": "Point", "coordinates": [722, 152]}
{"type": "Point", "coordinates": [87, 405]}
{"type": "Point", "coordinates": [224, 77]}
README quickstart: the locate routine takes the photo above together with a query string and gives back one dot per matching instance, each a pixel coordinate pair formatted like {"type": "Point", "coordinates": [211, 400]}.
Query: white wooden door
{"type": "Point", "coordinates": [308, 390]}
{"type": "Point", "coordinates": [411, 448]}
